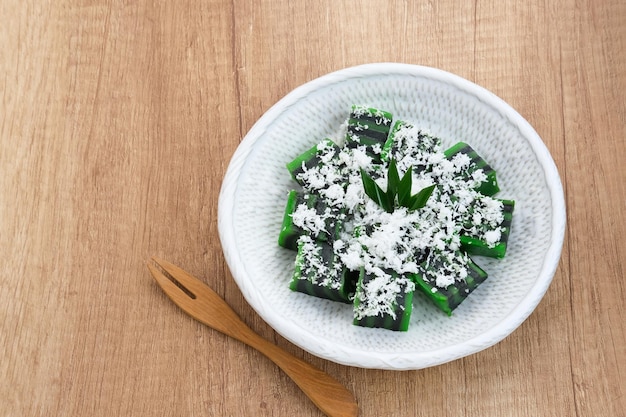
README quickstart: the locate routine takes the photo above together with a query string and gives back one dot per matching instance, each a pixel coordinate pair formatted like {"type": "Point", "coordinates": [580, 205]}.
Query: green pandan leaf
{"type": "Point", "coordinates": [393, 180]}
{"type": "Point", "coordinates": [419, 200]}
{"type": "Point", "coordinates": [404, 188]}
{"type": "Point", "coordinates": [396, 187]}
{"type": "Point", "coordinates": [373, 191]}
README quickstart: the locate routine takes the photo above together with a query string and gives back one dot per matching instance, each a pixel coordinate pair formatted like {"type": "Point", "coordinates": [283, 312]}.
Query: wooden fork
{"type": "Point", "coordinates": [206, 306]}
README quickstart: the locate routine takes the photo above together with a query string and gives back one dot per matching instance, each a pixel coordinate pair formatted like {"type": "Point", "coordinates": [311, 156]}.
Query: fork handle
{"type": "Point", "coordinates": [327, 393]}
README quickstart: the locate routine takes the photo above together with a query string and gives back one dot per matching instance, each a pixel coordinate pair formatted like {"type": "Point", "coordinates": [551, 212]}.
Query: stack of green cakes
{"type": "Point", "coordinates": [356, 239]}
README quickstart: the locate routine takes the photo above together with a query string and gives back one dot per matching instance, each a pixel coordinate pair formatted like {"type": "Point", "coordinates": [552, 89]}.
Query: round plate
{"type": "Point", "coordinates": [254, 193]}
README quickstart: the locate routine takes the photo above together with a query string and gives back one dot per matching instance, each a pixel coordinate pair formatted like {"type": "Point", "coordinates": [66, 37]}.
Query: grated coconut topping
{"type": "Point", "coordinates": [403, 242]}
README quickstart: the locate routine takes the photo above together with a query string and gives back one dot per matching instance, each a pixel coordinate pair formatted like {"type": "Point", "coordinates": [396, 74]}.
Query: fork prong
{"type": "Point", "coordinates": [198, 300]}
{"type": "Point", "coordinates": [192, 284]}
{"type": "Point", "coordinates": [170, 288]}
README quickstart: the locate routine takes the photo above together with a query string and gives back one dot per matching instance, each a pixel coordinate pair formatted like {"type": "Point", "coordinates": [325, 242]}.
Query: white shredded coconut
{"type": "Point", "coordinates": [353, 258]}
{"type": "Point", "coordinates": [334, 193]}
{"type": "Point", "coordinates": [424, 241]}
{"type": "Point", "coordinates": [378, 296]}
{"type": "Point", "coordinates": [361, 159]}
{"type": "Point", "coordinates": [492, 237]}
{"type": "Point", "coordinates": [308, 219]}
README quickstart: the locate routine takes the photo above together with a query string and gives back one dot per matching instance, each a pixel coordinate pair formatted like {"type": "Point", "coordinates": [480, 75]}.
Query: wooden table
{"type": "Point", "coordinates": [117, 123]}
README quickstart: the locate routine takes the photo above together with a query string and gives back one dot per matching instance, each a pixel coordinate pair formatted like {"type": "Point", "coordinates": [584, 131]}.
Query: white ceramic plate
{"type": "Point", "coordinates": [255, 188]}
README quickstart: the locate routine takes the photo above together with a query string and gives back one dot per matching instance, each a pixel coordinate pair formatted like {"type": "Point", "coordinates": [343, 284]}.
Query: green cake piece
{"type": "Point", "coordinates": [405, 141]}
{"type": "Point", "coordinates": [301, 204]}
{"type": "Point", "coordinates": [310, 159]}
{"type": "Point", "coordinates": [488, 187]}
{"type": "Point", "coordinates": [474, 242]}
{"type": "Point", "coordinates": [368, 127]}
{"type": "Point", "coordinates": [320, 273]}
{"type": "Point", "coordinates": [448, 277]}
{"type": "Point", "coordinates": [384, 302]}
{"type": "Point", "coordinates": [289, 232]}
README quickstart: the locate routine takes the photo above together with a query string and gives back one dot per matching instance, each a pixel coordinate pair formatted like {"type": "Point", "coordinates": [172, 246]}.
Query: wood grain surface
{"type": "Point", "coordinates": [118, 120]}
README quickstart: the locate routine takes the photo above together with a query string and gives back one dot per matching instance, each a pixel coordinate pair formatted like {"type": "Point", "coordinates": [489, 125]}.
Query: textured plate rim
{"type": "Point", "coordinates": [389, 360]}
